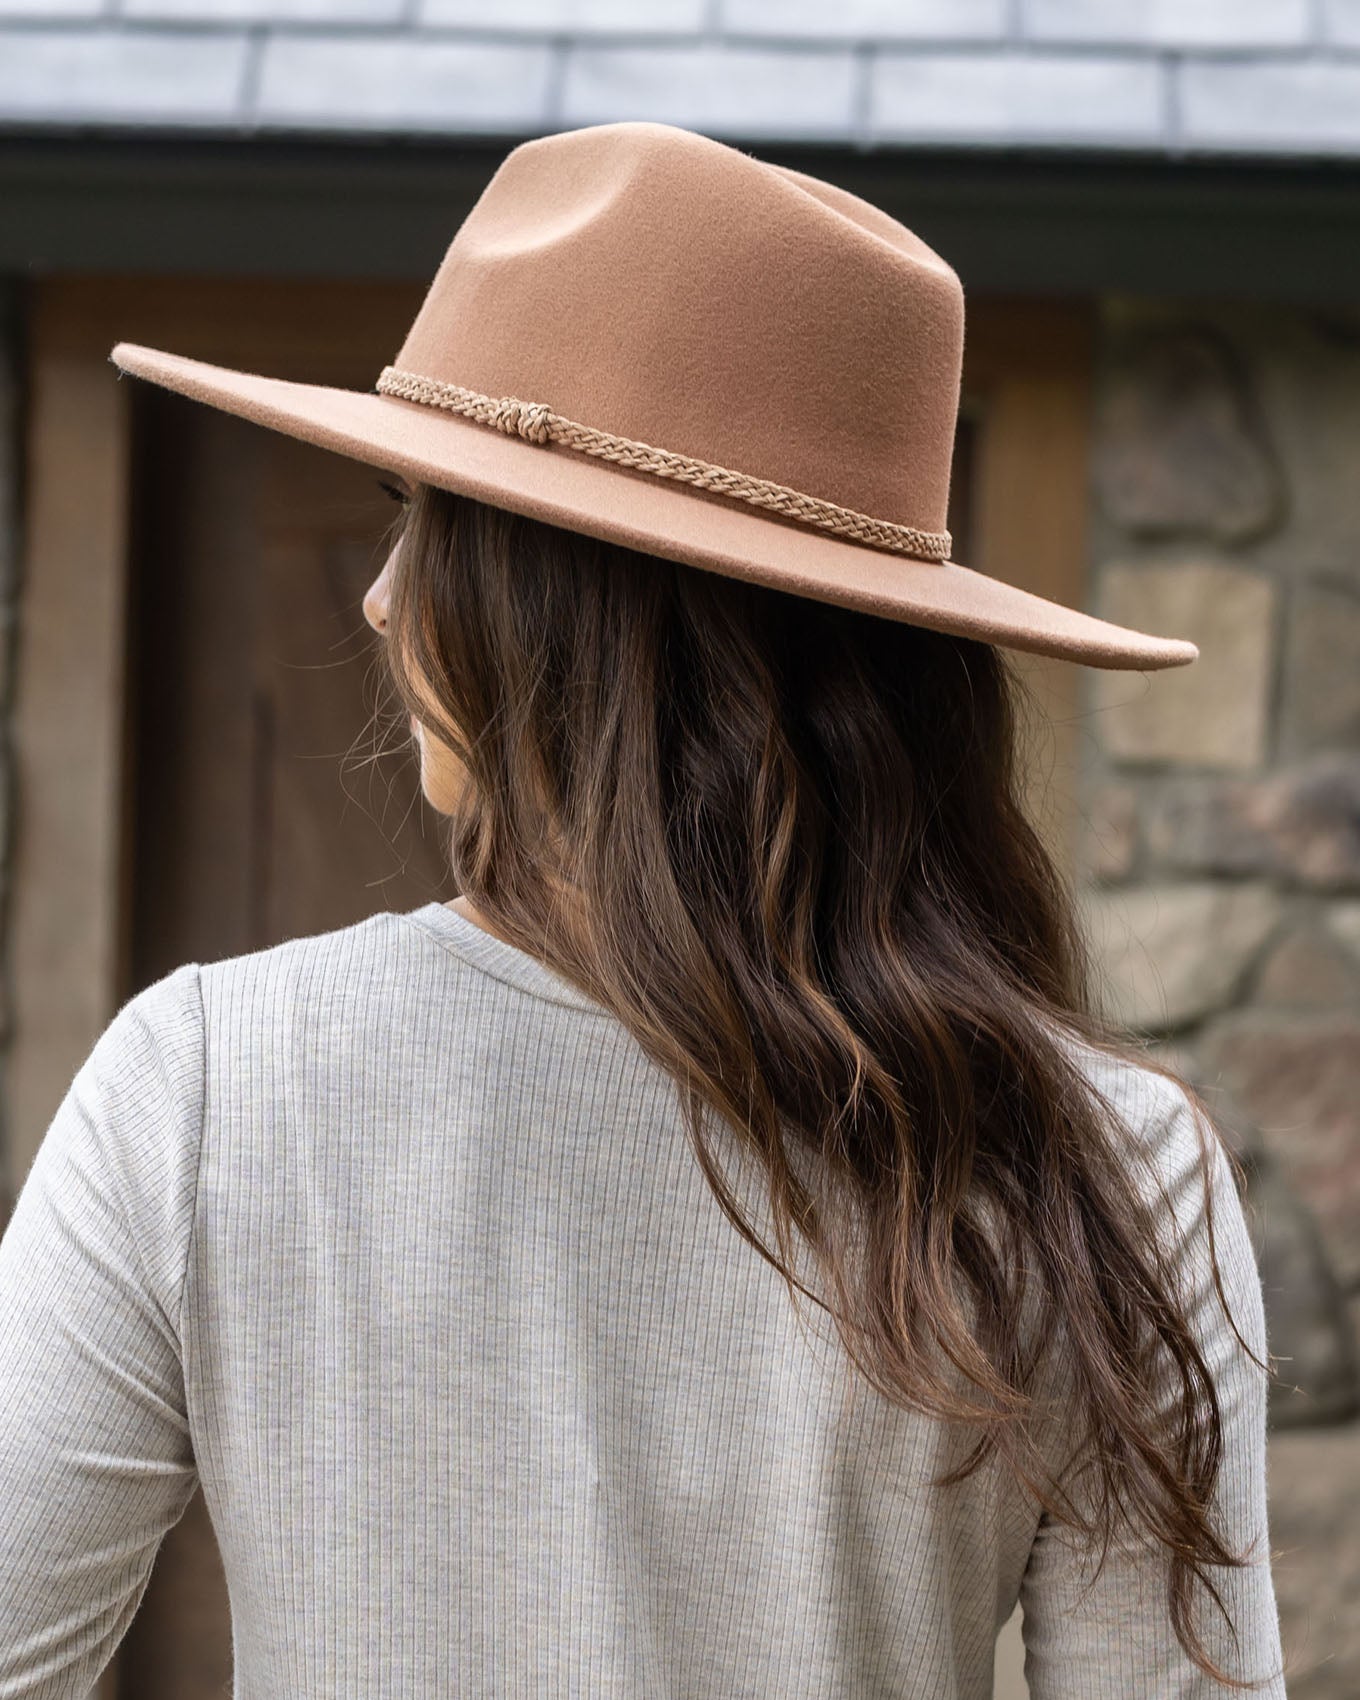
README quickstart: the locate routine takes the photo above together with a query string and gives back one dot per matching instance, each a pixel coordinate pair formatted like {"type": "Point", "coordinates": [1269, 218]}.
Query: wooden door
{"type": "Point", "coordinates": [252, 805]}
{"type": "Point", "coordinates": [275, 792]}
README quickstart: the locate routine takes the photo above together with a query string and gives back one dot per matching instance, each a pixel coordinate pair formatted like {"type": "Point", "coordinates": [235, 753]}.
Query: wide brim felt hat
{"type": "Point", "coordinates": [649, 337]}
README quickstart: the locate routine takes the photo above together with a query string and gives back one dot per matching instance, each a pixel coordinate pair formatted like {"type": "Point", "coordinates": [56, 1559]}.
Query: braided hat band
{"type": "Point", "coordinates": [536, 423]}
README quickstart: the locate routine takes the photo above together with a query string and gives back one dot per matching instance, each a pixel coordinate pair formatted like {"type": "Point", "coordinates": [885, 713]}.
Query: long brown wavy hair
{"type": "Point", "coordinates": [783, 842]}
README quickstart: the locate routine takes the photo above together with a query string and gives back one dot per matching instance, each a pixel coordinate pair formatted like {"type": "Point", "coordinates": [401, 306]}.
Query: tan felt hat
{"type": "Point", "coordinates": [647, 336]}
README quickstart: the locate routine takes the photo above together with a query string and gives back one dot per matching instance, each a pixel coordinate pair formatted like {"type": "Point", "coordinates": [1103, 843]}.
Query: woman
{"type": "Point", "coordinates": [720, 1252]}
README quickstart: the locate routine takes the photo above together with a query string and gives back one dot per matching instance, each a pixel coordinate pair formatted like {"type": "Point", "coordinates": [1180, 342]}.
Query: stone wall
{"type": "Point", "coordinates": [1222, 860]}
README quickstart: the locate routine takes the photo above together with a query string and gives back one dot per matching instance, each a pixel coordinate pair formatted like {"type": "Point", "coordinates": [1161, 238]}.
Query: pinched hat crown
{"type": "Point", "coordinates": [649, 285]}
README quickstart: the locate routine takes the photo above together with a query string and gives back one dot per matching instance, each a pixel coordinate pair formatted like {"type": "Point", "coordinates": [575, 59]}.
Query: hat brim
{"type": "Point", "coordinates": [677, 522]}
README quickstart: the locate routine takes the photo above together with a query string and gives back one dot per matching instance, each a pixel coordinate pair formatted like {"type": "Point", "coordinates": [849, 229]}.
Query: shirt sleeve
{"type": "Point", "coordinates": [1114, 1638]}
{"type": "Point", "coordinates": [95, 1455]}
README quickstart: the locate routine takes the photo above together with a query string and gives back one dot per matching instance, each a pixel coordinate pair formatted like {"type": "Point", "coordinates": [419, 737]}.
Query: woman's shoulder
{"type": "Point", "coordinates": [339, 978]}
{"type": "Point", "coordinates": [1181, 1166]}
{"type": "Point", "coordinates": [309, 950]}
{"type": "Point", "coordinates": [1127, 1075]}
{"type": "Point", "coordinates": [1154, 1122]}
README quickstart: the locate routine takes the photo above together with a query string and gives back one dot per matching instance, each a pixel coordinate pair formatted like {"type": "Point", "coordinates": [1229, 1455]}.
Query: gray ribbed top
{"type": "Point", "coordinates": [394, 1240]}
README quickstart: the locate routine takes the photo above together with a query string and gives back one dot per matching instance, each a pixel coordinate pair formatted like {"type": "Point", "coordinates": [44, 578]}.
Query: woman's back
{"type": "Point", "coordinates": [395, 1239]}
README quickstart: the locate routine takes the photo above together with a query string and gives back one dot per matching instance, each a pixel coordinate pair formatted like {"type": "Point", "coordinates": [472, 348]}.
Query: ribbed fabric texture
{"type": "Point", "coordinates": [394, 1240]}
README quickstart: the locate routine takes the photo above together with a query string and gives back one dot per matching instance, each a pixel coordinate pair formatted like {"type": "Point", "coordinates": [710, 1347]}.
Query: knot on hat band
{"type": "Point", "coordinates": [528, 419]}
{"type": "Point", "coordinates": [536, 423]}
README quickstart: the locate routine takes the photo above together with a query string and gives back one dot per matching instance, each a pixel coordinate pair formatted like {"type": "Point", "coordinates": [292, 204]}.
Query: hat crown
{"type": "Point", "coordinates": [661, 286]}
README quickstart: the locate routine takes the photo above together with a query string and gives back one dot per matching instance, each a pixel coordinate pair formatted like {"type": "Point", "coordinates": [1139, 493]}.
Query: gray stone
{"type": "Point", "coordinates": [1308, 1322]}
{"type": "Point", "coordinates": [1182, 23]}
{"type": "Point", "coordinates": [736, 90]}
{"type": "Point", "coordinates": [1321, 705]}
{"type": "Point", "coordinates": [1172, 954]}
{"type": "Point", "coordinates": [1180, 448]}
{"type": "Point", "coordinates": [1307, 366]}
{"type": "Point", "coordinates": [1112, 832]}
{"type": "Point", "coordinates": [1214, 712]}
{"type": "Point", "coordinates": [1343, 922]}
{"type": "Point", "coordinates": [1265, 105]}
{"type": "Point", "coordinates": [1008, 95]}
{"type": "Point", "coordinates": [1306, 970]}
{"type": "Point", "coordinates": [1300, 825]}
{"type": "Point", "coordinates": [358, 82]}
{"type": "Point", "coordinates": [164, 76]}
{"type": "Point", "coordinates": [1314, 1478]}
{"type": "Point", "coordinates": [1298, 1078]}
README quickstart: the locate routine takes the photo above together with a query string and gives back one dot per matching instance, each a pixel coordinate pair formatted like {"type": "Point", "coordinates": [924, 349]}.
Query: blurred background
{"type": "Point", "coordinates": [1155, 211]}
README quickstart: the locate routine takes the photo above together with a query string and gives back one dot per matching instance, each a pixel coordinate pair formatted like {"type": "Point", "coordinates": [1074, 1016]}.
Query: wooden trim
{"type": "Point", "coordinates": [1027, 383]}
{"type": "Point", "coordinates": [65, 906]}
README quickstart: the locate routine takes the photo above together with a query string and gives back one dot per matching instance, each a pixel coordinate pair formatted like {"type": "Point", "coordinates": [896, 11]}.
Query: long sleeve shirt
{"type": "Point", "coordinates": [394, 1241]}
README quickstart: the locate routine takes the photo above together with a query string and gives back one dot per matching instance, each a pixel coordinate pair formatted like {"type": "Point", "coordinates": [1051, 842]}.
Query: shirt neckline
{"type": "Point", "coordinates": [498, 957]}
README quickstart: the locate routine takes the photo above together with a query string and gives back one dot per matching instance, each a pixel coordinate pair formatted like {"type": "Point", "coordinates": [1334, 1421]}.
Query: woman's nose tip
{"type": "Point", "coordinates": [375, 611]}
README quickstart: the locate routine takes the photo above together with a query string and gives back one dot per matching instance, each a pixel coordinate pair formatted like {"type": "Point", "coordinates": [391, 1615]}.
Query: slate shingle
{"type": "Point", "coordinates": [1255, 105]}
{"type": "Point", "coordinates": [1003, 97]}
{"type": "Point", "coordinates": [1218, 24]}
{"type": "Point", "coordinates": [178, 77]}
{"type": "Point", "coordinates": [43, 11]}
{"type": "Point", "coordinates": [867, 20]}
{"type": "Point", "coordinates": [1341, 22]}
{"type": "Point", "coordinates": [321, 12]}
{"type": "Point", "coordinates": [569, 17]}
{"type": "Point", "coordinates": [725, 90]}
{"type": "Point", "coordinates": [357, 83]}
